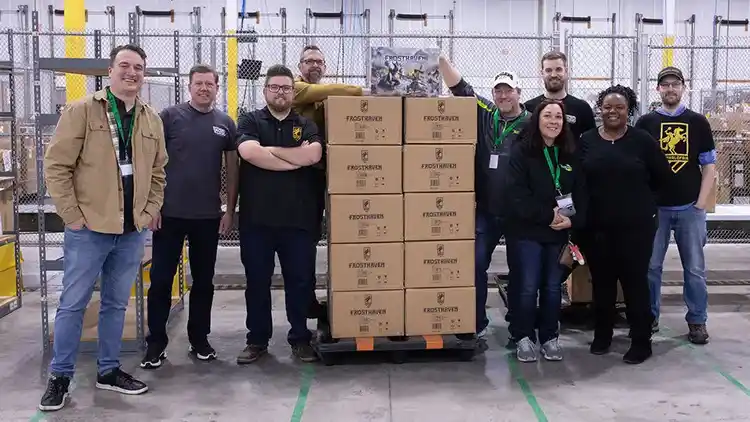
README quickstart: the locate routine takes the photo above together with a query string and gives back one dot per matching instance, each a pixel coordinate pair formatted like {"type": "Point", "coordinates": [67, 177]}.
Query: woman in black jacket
{"type": "Point", "coordinates": [624, 169]}
{"type": "Point", "coordinates": [546, 198]}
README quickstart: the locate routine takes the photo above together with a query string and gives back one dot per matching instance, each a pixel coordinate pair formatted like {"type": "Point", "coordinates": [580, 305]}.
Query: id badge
{"type": "Point", "coordinates": [126, 169]}
{"type": "Point", "coordinates": [565, 205]}
{"type": "Point", "coordinates": [493, 161]}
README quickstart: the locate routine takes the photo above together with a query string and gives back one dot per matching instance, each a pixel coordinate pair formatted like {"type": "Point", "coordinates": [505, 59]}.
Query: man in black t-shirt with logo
{"type": "Point", "coordinates": [685, 138]}
{"type": "Point", "coordinates": [279, 213]}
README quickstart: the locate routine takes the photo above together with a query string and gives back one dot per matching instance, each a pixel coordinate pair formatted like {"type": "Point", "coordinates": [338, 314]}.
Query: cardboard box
{"type": "Point", "coordinates": [439, 216]}
{"type": "Point", "coordinates": [357, 266]}
{"type": "Point", "coordinates": [446, 119]}
{"type": "Point", "coordinates": [580, 289]}
{"type": "Point", "coordinates": [365, 218]}
{"type": "Point", "coordinates": [441, 311]}
{"type": "Point", "coordinates": [364, 169]}
{"type": "Point", "coordinates": [439, 168]}
{"type": "Point", "coordinates": [439, 264]}
{"type": "Point", "coordinates": [364, 120]}
{"type": "Point", "coordinates": [367, 314]}
{"type": "Point", "coordinates": [404, 71]}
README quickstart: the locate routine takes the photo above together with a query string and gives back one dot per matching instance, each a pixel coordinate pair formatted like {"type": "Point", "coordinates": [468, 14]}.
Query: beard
{"type": "Point", "coordinates": [554, 85]}
{"type": "Point", "coordinates": [279, 108]}
{"type": "Point", "coordinates": [314, 76]}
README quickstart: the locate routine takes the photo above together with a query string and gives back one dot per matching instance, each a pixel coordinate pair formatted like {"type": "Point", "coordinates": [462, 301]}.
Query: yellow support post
{"type": "Point", "coordinates": [233, 86]}
{"type": "Point", "coordinates": [667, 58]}
{"type": "Point", "coordinates": [74, 20]}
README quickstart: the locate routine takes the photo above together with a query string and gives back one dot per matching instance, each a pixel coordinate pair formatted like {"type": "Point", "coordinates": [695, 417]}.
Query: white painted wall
{"type": "Point", "coordinates": [478, 59]}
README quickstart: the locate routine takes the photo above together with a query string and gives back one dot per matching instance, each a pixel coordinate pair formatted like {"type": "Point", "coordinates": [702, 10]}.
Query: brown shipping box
{"type": "Point", "coordinates": [439, 216]}
{"type": "Point", "coordinates": [365, 218]}
{"type": "Point", "coordinates": [364, 169]}
{"type": "Point", "coordinates": [439, 264]}
{"type": "Point", "coordinates": [367, 314]}
{"type": "Point", "coordinates": [440, 311]}
{"type": "Point", "coordinates": [358, 266]}
{"type": "Point", "coordinates": [364, 120]}
{"type": "Point", "coordinates": [451, 120]}
{"type": "Point", "coordinates": [580, 289]}
{"type": "Point", "coordinates": [438, 168]}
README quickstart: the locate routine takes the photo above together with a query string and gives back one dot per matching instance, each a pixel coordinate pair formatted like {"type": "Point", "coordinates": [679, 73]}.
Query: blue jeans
{"type": "Point", "coordinates": [690, 233]}
{"type": "Point", "coordinates": [488, 233]}
{"type": "Point", "coordinates": [536, 270]}
{"type": "Point", "coordinates": [86, 255]}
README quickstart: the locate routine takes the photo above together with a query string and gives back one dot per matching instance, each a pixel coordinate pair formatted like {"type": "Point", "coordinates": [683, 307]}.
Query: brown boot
{"type": "Point", "coordinates": [698, 333]}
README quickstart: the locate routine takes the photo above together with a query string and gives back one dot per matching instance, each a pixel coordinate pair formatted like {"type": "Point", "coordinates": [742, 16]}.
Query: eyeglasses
{"type": "Point", "coordinates": [675, 84]}
{"type": "Point", "coordinates": [283, 88]}
{"type": "Point", "coordinates": [311, 62]}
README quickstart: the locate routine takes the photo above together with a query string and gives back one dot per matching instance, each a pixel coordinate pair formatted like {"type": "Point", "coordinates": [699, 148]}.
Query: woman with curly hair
{"type": "Point", "coordinates": [624, 169]}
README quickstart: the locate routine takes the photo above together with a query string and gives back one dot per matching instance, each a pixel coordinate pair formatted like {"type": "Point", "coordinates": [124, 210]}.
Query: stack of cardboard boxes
{"type": "Point", "coordinates": [400, 217]}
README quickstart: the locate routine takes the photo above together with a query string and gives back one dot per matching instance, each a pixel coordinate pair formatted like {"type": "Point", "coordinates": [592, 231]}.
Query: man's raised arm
{"type": "Point", "coordinates": [306, 93]}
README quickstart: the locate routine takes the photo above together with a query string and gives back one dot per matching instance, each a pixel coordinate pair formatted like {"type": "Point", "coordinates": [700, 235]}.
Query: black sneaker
{"type": "Point", "coordinates": [56, 395]}
{"type": "Point", "coordinates": [203, 351]}
{"type": "Point", "coordinates": [304, 352]}
{"type": "Point", "coordinates": [155, 356]}
{"type": "Point", "coordinates": [120, 382]}
{"type": "Point", "coordinates": [251, 353]}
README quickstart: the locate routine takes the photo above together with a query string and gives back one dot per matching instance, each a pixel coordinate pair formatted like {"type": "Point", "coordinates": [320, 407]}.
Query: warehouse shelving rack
{"type": "Point", "coordinates": [96, 67]}
{"type": "Point", "coordinates": [11, 283]}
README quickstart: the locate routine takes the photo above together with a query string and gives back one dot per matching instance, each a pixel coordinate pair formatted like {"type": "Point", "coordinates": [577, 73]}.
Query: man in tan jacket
{"type": "Point", "coordinates": [309, 95]}
{"type": "Point", "coordinates": [104, 170]}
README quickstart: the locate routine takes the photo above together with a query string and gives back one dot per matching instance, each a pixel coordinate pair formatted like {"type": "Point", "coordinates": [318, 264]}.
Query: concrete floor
{"type": "Point", "coordinates": [681, 383]}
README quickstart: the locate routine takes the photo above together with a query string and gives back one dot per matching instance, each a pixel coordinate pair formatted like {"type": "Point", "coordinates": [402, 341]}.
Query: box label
{"type": "Point", "coordinates": [439, 168]}
{"type": "Point", "coordinates": [366, 218]}
{"type": "Point", "coordinates": [356, 169]}
{"type": "Point", "coordinates": [363, 120]}
{"type": "Point", "coordinates": [355, 267]}
{"type": "Point", "coordinates": [439, 264]}
{"type": "Point", "coordinates": [367, 314]}
{"type": "Point", "coordinates": [448, 216]}
{"type": "Point", "coordinates": [436, 120]}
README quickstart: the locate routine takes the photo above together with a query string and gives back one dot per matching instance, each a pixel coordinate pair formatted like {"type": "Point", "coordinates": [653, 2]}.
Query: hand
{"type": "Point", "coordinates": [155, 223]}
{"type": "Point", "coordinates": [558, 218]}
{"type": "Point", "coordinates": [77, 225]}
{"type": "Point", "coordinates": [366, 92]}
{"type": "Point", "coordinates": [700, 205]}
{"type": "Point", "coordinates": [564, 224]}
{"type": "Point", "coordinates": [226, 224]}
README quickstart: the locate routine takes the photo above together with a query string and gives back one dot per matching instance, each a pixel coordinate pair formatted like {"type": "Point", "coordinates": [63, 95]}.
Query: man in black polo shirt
{"type": "Point", "coordinates": [498, 125]}
{"type": "Point", "coordinates": [686, 140]}
{"type": "Point", "coordinates": [278, 213]}
{"type": "Point", "coordinates": [198, 136]}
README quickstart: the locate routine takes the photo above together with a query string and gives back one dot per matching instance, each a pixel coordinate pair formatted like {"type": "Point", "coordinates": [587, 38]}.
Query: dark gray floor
{"type": "Point", "coordinates": [681, 383]}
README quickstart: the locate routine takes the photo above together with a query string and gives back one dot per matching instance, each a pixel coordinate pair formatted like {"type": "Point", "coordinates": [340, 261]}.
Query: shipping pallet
{"type": "Point", "coordinates": [399, 349]}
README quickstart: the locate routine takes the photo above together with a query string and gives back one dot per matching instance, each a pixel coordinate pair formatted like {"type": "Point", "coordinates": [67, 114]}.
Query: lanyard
{"type": "Point", "coordinates": [553, 170]}
{"type": "Point", "coordinates": [118, 120]}
{"type": "Point", "coordinates": [500, 136]}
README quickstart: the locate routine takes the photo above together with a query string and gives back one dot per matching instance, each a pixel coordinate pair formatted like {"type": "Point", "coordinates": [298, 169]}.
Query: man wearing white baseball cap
{"type": "Point", "coordinates": [499, 124]}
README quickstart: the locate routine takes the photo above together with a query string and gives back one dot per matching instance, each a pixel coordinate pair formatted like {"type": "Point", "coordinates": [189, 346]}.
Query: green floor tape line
{"type": "Point", "coordinates": [304, 389]}
{"type": "Point", "coordinates": [709, 360]}
{"type": "Point", "coordinates": [38, 417]}
{"type": "Point", "coordinates": [525, 387]}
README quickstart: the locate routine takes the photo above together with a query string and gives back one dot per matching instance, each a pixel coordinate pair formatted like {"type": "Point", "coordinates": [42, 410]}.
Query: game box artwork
{"type": "Point", "coordinates": [407, 72]}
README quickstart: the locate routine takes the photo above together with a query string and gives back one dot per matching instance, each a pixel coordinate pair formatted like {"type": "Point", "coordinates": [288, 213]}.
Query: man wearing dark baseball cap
{"type": "Point", "coordinates": [686, 140]}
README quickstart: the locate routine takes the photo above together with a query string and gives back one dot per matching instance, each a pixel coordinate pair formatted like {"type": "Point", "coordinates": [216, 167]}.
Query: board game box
{"type": "Point", "coordinates": [407, 72]}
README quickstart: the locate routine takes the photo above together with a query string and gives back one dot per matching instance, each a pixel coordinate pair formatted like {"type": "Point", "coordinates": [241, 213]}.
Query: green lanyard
{"type": "Point", "coordinates": [554, 170]}
{"type": "Point", "coordinates": [118, 120]}
{"type": "Point", "coordinates": [500, 136]}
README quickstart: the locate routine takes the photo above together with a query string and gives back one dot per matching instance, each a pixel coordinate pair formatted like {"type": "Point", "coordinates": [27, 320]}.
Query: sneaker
{"type": "Point", "coordinates": [698, 333]}
{"type": "Point", "coordinates": [56, 394]}
{"type": "Point", "coordinates": [155, 356]}
{"type": "Point", "coordinates": [655, 327]}
{"type": "Point", "coordinates": [203, 352]}
{"type": "Point", "coordinates": [526, 350]}
{"type": "Point", "coordinates": [551, 350]}
{"type": "Point", "coordinates": [251, 353]}
{"type": "Point", "coordinates": [482, 334]}
{"type": "Point", "coordinates": [121, 382]}
{"type": "Point", "coordinates": [304, 352]}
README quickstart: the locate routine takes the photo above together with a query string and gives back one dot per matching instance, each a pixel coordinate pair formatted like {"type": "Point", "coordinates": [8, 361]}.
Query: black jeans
{"type": "Point", "coordinates": [621, 254]}
{"type": "Point", "coordinates": [296, 249]}
{"type": "Point", "coordinates": [203, 239]}
{"type": "Point", "coordinates": [488, 233]}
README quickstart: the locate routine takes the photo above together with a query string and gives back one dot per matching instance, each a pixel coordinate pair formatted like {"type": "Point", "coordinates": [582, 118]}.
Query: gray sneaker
{"type": "Point", "coordinates": [551, 350]}
{"type": "Point", "coordinates": [526, 351]}
{"type": "Point", "coordinates": [698, 333]}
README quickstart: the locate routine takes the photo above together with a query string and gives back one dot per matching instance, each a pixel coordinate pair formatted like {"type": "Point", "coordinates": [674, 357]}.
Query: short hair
{"type": "Point", "coordinates": [309, 47]}
{"type": "Point", "coordinates": [278, 70]}
{"type": "Point", "coordinates": [627, 92]}
{"type": "Point", "coordinates": [203, 68]}
{"type": "Point", "coordinates": [554, 55]}
{"type": "Point", "coordinates": [131, 47]}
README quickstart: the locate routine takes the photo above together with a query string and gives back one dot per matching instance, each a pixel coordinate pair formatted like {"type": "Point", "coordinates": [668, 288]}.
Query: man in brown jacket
{"type": "Point", "coordinates": [309, 95]}
{"type": "Point", "coordinates": [104, 170]}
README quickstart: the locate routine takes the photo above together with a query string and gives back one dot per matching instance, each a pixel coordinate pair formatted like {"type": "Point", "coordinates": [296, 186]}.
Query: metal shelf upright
{"type": "Point", "coordinates": [11, 283]}
{"type": "Point", "coordinates": [95, 67]}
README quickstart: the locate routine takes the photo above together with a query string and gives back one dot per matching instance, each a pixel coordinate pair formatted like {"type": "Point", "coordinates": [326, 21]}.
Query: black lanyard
{"type": "Point", "coordinates": [118, 120]}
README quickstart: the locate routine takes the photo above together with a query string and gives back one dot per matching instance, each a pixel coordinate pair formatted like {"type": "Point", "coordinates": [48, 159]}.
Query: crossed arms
{"type": "Point", "coordinates": [271, 158]}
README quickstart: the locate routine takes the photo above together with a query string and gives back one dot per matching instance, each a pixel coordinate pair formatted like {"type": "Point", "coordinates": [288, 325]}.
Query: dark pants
{"type": "Point", "coordinates": [488, 233]}
{"type": "Point", "coordinates": [203, 239]}
{"type": "Point", "coordinates": [296, 249]}
{"type": "Point", "coordinates": [621, 254]}
{"type": "Point", "coordinates": [536, 271]}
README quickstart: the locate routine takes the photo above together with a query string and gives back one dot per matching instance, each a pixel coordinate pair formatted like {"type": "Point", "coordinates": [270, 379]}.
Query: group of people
{"type": "Point", "coordinates": [551, 181]}
{"type": "Point", "coordinates": [546, 177]}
